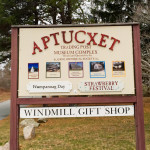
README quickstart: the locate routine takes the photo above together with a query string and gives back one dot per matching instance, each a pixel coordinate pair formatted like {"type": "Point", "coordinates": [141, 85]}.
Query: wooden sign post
{"type": "Point", "coordinates": [94, 64]}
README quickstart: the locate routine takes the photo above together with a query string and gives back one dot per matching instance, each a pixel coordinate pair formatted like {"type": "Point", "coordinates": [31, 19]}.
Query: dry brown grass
{"type": "Point", "coordinates": [4, 95]}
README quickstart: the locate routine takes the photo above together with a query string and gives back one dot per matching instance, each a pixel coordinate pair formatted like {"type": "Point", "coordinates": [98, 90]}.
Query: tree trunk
{"type": "Point", "coordinates": [69, 13]}
{"type": "Point", "coordinates": [35, 13]}
{"type": "Point", "coordinates": [62, 15]}
{"type": "Point", "coordinates": [54, 13]}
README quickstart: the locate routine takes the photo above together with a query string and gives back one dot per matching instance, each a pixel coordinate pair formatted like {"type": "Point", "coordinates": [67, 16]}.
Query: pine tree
{"type": "Point", "coordinates": [112, 11]}
{"type": "Point", "coordinates": [32, 12]}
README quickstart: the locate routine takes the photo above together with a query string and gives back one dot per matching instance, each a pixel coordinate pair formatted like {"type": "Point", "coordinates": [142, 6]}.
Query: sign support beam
{"type": "Point", "coordinates": [139, 112]}
{"type": "Point", "coordinates": [14, 113]}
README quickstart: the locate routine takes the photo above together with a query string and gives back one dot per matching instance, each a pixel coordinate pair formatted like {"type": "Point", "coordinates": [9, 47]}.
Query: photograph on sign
{"type": "Point", "coordinates": [33, 70]}
{"type": "Point", "coordinates": [75, 69]}
{"type": "Point", "coordinates": [53, 70]}
{"type": "Point", "coordinates": [83, 56]}
{"type": "Point", "coordinates": [97, 69]}
{"type": "Point", "coordinates": [118, 68]}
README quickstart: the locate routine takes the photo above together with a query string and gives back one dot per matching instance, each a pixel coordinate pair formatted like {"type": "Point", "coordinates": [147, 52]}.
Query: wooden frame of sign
{"type": "Point", "coordinates": [135, 99]}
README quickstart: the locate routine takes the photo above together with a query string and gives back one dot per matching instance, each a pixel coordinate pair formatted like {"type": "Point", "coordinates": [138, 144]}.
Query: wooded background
{"type": "Point", "coordinates": [44, 12]}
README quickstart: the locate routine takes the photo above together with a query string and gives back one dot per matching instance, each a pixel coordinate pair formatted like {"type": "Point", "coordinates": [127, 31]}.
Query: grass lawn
{"type": "Point", "coordinates": [102, 133]}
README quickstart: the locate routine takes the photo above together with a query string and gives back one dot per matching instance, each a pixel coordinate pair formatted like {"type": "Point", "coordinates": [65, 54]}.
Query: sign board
{"type": "Point", "coordinates": [93, 60]}
{"type": "Point", "coordinates": [76, 64]}
{"type": "Point", "coordinates": [84, 111]}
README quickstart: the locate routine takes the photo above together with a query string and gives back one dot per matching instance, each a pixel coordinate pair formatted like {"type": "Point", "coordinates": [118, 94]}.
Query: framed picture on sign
{"type": "Point", "coordinates": [75, 69]}
{"type": "Point", "coordinates": [97, 69]}
{"type": "Point", "coordinates": [33, 70]}
{"type": "Point", "coordinates": [53, 70]}
{"type": "Point", "coordinates": [118, 69]}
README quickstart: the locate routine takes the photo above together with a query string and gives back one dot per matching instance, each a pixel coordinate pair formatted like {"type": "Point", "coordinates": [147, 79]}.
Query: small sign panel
{"type": "Point", "coordinates": [98, 86]}
{"type": "Point", "coordinates": [53, 86]}
{"type": "Point", "coordinates": [87, 111]}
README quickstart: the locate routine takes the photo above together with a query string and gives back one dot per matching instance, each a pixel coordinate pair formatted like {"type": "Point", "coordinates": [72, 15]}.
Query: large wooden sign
{"type": "Point", "coordinates": [77, 64]}
{"type": "Point", "coordinates": [96, 60]}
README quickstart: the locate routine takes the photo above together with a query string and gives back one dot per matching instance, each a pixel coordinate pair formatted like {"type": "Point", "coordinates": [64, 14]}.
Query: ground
{"type": "Point", "coordinates": [95, 133]}
{"type": "Point", "coordinates": [4, 95]}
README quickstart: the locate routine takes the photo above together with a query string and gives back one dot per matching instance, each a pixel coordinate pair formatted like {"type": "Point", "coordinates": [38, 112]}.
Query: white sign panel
{"type": "Point", "coordinates": [96, 86]}
{"type": "Point", "coordinates": [42, 87]}
{"type": "Point", "coordinates": [87, 111]}
{"type": "Point", "coordinates": [94, 54]}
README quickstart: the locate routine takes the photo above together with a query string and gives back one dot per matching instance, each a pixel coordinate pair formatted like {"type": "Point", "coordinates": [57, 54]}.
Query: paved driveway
{"type": "Point", "coordinates": [4, 109]}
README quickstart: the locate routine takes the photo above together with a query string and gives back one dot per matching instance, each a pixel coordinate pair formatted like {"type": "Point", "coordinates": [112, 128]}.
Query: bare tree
{"type": "Point", "coordinates": [142, 15]}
